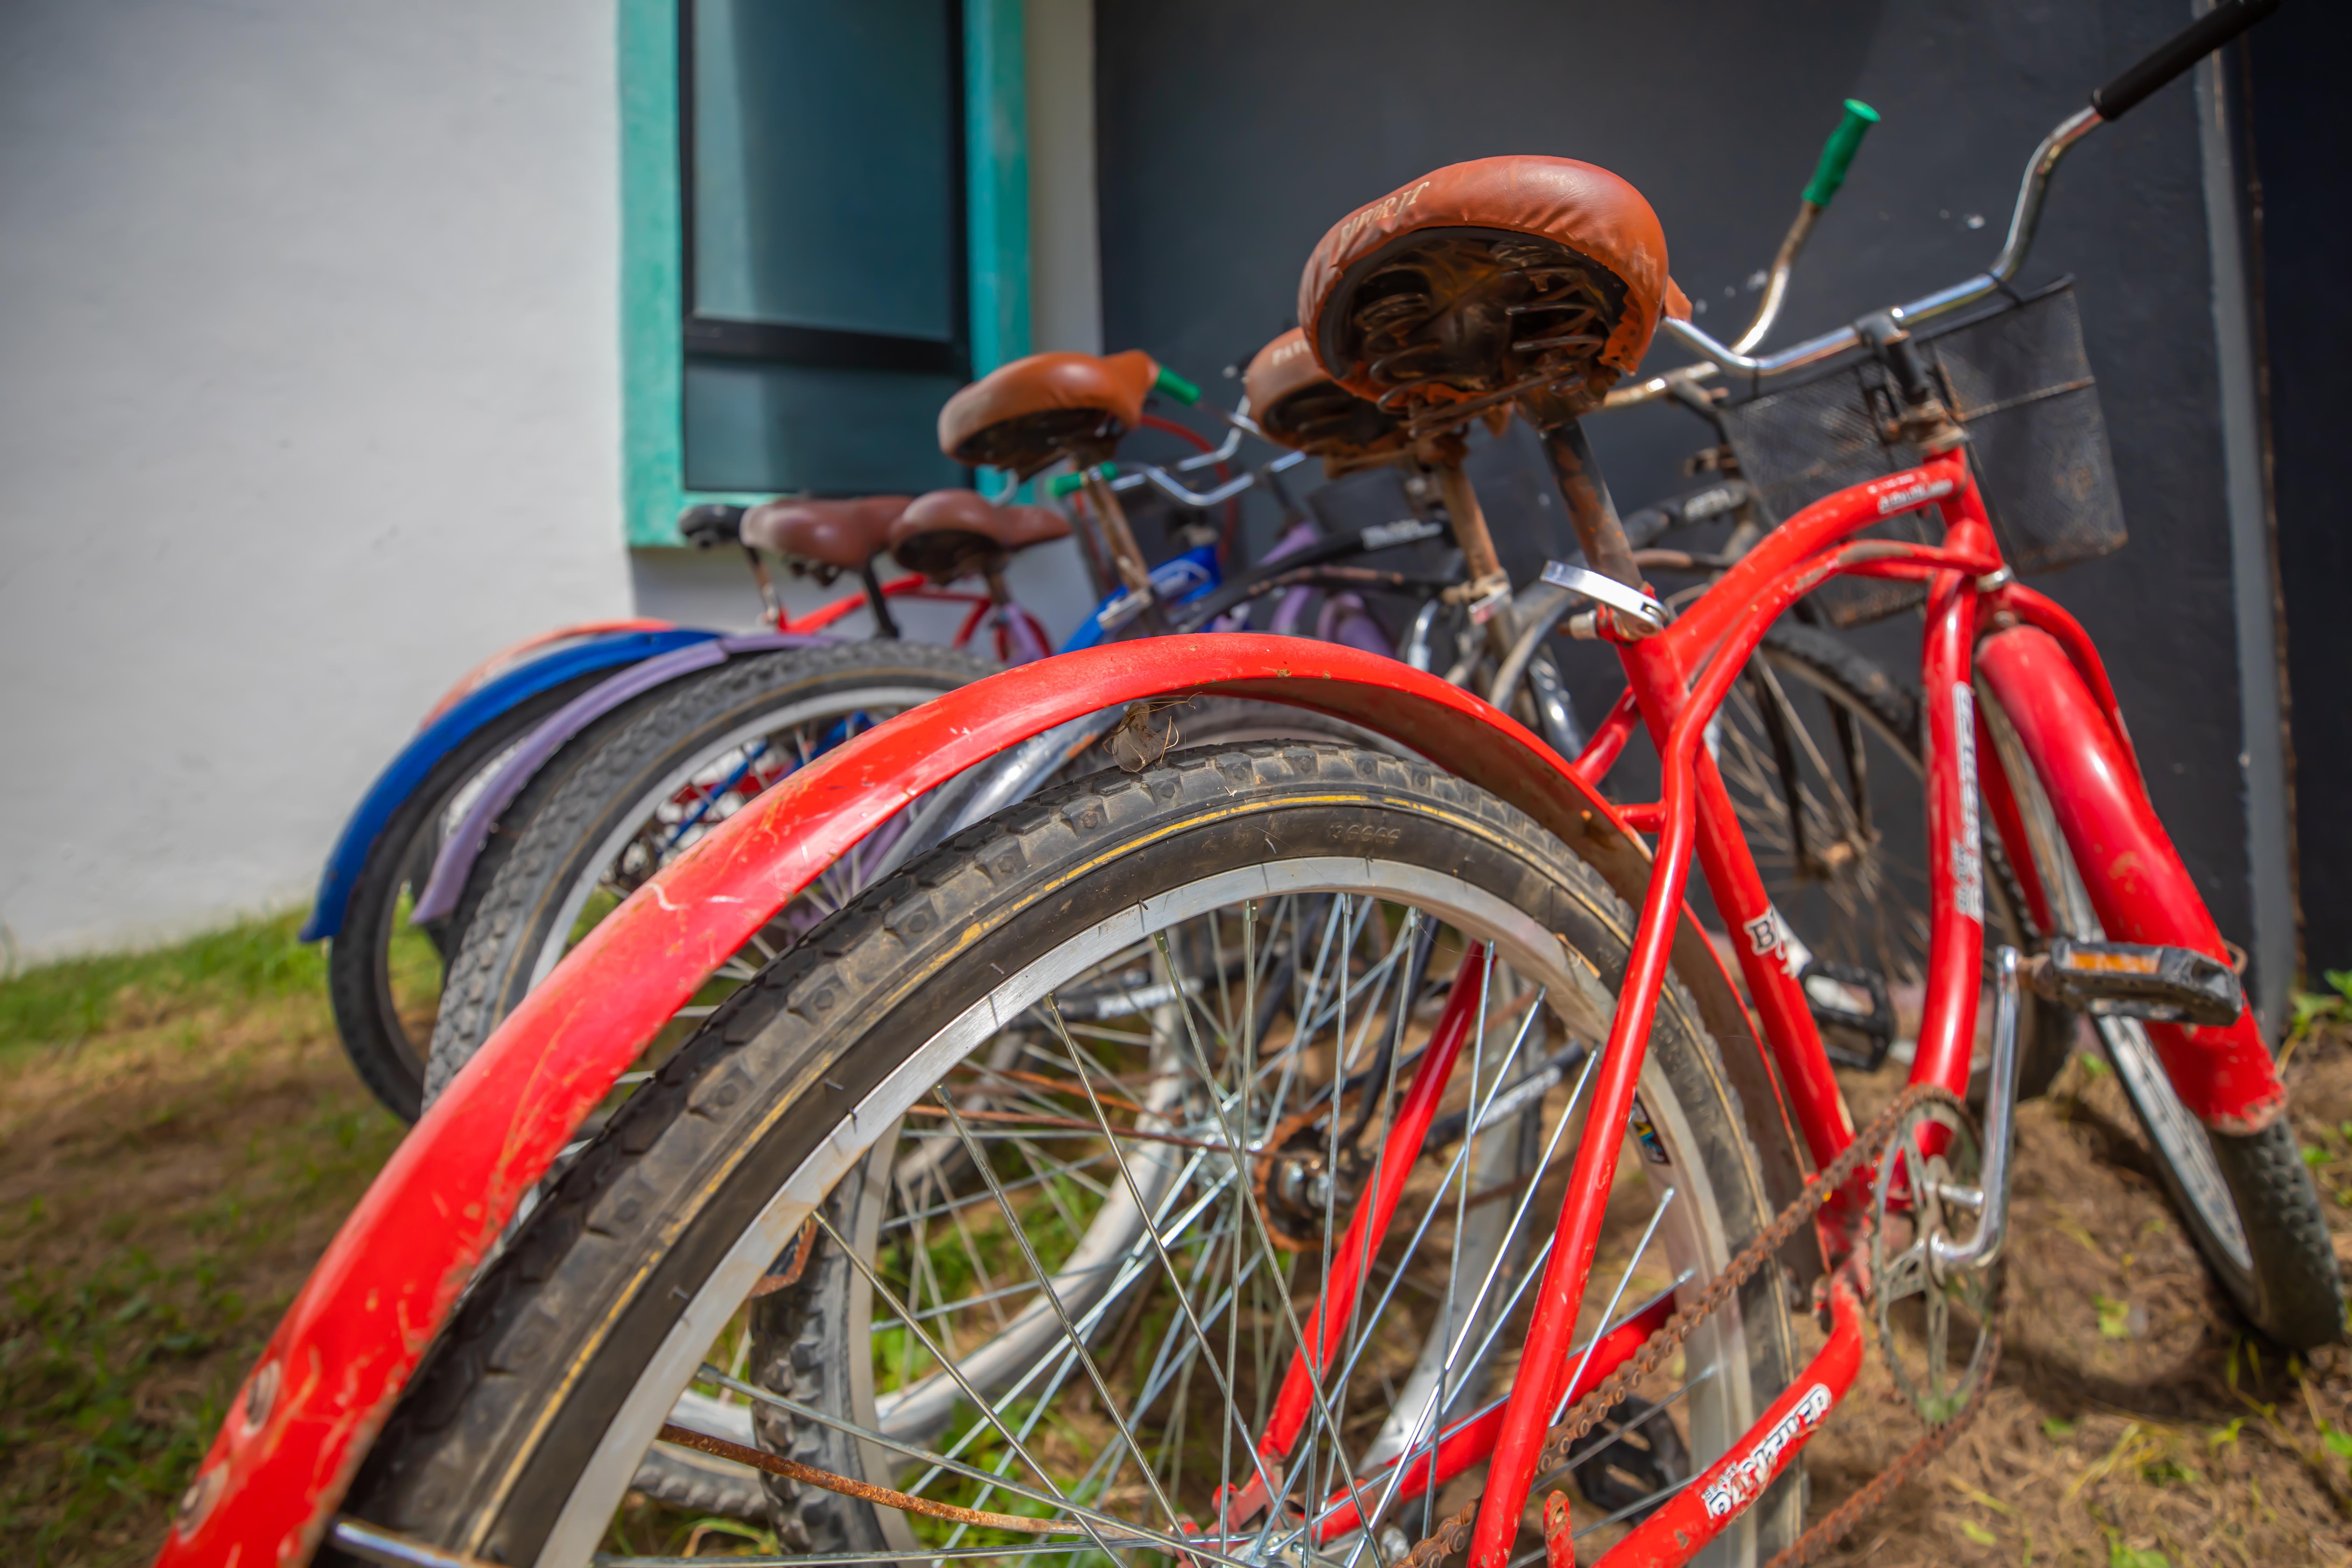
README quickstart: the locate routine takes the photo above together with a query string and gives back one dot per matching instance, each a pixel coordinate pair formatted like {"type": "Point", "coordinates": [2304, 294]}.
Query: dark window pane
{"type": "Point", "coordinates": [825, 165]}
{"type": "Point", "coordinates": [834, 432]}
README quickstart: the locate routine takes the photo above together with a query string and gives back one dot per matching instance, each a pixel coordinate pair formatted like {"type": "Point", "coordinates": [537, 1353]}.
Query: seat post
{"type": "Point", "coordinates": [1127, 556]}
{"type": "Point", "coordinates": [1589, 511]}
{"type": "Point", "coordinates": [877, 601]}
{"type": "Point", "coordinates": [1481, 564]}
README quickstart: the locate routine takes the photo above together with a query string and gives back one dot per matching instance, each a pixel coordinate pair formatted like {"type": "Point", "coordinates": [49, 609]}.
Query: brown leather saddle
{"type": "Point", "coordinates": [1028, 415]}
{"type": "Point", "coordinates": [1527, 281]}
{"type": "Point", "coordinates": [837, 536]}
{"type": "Point", "coordinates": [949, 534]}
{"type": "Point", "coordinates": [1297, 405]}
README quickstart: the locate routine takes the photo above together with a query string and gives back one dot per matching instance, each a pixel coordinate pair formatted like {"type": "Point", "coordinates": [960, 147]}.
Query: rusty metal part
{"type": "Point", "coordinates": [1126, 555]}
{"type": "Point", "coordinates": [1479, 562]}
{"type": "Point", "coordinates": [1448, 1546]}
{"type": "Point", "coordinates": [1453, 320]}
{"type": "Point", "coordinates": [1594, 518]}
{"type": "Point", "coordinates": [769, 1284]}
{"type": "Point", "coordinates": [1828, 1533]}
{"type": "Point", "coordinates": [863, 1491]}
{"type": "Point", "coordinates": [1560, 1537]}
{"type": "Point", "coordinates": [1273, 1201]}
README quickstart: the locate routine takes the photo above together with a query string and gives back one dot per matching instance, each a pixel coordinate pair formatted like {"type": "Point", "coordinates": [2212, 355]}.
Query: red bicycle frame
{"type": "Point", "coordinates": [2045, 673]}
{"type": "Point", "coordinates": [358, 1329]}
{"type": "Point", "coordinates": [976, 609]}
{"type": "Point", "coordinates": [2044, 670]}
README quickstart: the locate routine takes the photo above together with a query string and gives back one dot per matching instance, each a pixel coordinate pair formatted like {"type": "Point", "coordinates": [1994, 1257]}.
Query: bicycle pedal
{"type": "Point", "coordinates": [2130, 979]}
{"type": "Point", "coordinates": [1846, 1001]}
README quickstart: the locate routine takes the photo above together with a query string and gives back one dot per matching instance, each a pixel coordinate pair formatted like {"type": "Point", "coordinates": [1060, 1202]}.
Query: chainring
{"type": "Point", "coordinates": [1926, 1313]}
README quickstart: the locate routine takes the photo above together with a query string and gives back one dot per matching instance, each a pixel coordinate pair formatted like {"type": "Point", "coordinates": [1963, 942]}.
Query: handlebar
{"type": "Point", "coordinates": [2224, 21]}
{"type": "Point", "coordinates": [1168, 484]}
{"type": "Point", "coordinates": [1829, 174]}
{"type": "Point", "coordinates": [1176, 386]}
{"type": "Point", "coordinates": [1837, 152]}
{"type": "Point", "coordinates": [2199, 39]}
{"type": "Point", "coordinates": [708, 524]}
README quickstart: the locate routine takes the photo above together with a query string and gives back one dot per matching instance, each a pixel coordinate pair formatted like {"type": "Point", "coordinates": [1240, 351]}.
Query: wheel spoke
{"type": "Point", "coordinates": [1052, 1298]}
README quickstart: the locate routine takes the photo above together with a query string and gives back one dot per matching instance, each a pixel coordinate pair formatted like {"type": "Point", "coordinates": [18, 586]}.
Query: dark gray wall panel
{"type": "Point", "coordinates": [2303, 137]}
{"type": "Point", "coordinates": [1233, 134]}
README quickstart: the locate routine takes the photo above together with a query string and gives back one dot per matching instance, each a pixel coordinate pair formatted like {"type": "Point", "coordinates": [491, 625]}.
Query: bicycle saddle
{"type": "Point", "coordinates": [845, 534]}
{"type": "Point", "coordinates": [1297, 403]}
{"type": "Point", "coordinates": [1026, 415]}
{"type": "Point", "coordinates": [1523, 279]}
{"type": "Point", "coordinates": [949, 534]}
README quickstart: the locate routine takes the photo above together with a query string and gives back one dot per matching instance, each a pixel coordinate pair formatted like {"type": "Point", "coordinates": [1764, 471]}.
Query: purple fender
{"type": "Point", "coordinates": [455, 864]}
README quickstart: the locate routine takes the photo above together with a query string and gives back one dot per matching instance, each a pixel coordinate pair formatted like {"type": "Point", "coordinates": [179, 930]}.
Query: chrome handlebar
{"type": "Point", "coordinates": [2023, 221]}
{"type": "Point", "coordinates": [1169, 485]}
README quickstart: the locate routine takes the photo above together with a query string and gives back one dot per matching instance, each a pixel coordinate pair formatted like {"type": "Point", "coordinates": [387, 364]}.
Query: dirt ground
{"type": "Point", "coordinates": [172, 1170]}
{"type": "Point", "coordinates": [2132, 1421]}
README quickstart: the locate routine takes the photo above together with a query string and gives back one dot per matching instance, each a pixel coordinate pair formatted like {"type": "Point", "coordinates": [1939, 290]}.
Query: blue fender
{"type": "Point", "coordinates": [405, 771]}
{"type": "Point", "coordinates": [1177, 581]}
{"type": "Point", "coordinates": [464, 846]}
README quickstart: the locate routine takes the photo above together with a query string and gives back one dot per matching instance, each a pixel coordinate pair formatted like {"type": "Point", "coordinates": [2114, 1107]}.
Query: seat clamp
{"type": "Point", "coordinates": [1634, 606]}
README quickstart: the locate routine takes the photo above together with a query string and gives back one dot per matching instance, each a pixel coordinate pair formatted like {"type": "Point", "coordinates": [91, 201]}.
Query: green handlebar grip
{"type": "Point", "coordinates": [1838, 151]}
{"type": "Point", "coordinates": [1061, 485]}
{"type": "Point", "coordinates": [1176, 387]}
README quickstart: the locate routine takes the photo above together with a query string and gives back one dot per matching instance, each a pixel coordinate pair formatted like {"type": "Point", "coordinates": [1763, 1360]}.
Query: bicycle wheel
{"type": "Point", "coordinates": [383, 980]}
{"type": "Point", "coordinates": [1113, 935]}
{"type": "Point", "coordinates": [2247, 1200]}
{"type": "Point", "coordinates": [640, 787]}
{"type": "Point", "coordinates": [1820, 749]}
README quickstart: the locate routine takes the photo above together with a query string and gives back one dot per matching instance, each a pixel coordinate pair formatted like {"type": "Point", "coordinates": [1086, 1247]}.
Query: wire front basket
{"type": "Point", "coordinates": [2017, 379]}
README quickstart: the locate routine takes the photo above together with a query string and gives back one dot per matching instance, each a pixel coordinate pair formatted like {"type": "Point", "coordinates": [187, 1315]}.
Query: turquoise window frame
{"type": "Point", "coordinates": [653, 325]}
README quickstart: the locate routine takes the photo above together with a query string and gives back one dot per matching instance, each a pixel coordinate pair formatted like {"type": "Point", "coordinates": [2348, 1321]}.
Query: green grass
{"type": "Point", "coordinates": [253, 961]}
{"type": "Point", "coordinates": [184, 1135]}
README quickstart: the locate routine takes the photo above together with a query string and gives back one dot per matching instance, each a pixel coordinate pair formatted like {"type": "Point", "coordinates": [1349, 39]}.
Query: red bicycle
{"type": "Point", "coordinates": [1157, 1170]}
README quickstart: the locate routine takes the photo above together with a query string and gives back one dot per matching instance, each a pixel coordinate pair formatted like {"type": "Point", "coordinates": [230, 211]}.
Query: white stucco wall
{"type": "Point", "coordinates": [308, 399]}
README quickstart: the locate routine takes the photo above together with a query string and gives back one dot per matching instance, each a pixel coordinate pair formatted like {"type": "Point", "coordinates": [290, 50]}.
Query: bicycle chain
{"type": "Point", "coordinates": [1450, 1541]}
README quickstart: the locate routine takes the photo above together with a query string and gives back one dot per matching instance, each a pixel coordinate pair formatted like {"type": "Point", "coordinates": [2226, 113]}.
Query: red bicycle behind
{"type": "Point", "coordinates": [1052, 1199]}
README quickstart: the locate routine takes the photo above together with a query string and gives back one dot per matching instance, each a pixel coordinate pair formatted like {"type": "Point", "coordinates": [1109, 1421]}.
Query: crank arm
{"type": "Point", "coordinates": [1991, 1201]}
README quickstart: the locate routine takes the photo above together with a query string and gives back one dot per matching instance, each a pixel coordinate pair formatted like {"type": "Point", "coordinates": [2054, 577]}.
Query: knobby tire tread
{"type": "Point", "coordinates": [569, 808]}
{"type": "Point", "coordinates": [781, 1043]}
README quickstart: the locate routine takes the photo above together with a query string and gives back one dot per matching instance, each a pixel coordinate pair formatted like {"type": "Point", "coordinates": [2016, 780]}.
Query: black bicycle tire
{"type": "Point", "coordinates": [481, 1452]}
{"type": "Point", "coordinates": [568, 810]}
{"type": "Point", "coordinates": [358, 978]}
{"type": "Point", "coordinates": [2290, 1286]}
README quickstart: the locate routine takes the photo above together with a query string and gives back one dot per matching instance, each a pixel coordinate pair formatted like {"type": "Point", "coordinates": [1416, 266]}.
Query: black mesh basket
{"type": "Point", "coordinates": [2016, 377]}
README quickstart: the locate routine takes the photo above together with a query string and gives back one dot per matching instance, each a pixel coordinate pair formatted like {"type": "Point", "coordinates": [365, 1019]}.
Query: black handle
{"type": "Point", "coordinates": [2185, 49]}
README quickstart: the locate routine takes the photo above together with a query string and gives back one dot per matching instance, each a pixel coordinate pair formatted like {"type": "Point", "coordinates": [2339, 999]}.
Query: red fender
{"type": "Point", "coordinates": [362, 1321]}
{"type": "Point", "coordinates": [2138, 885]}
